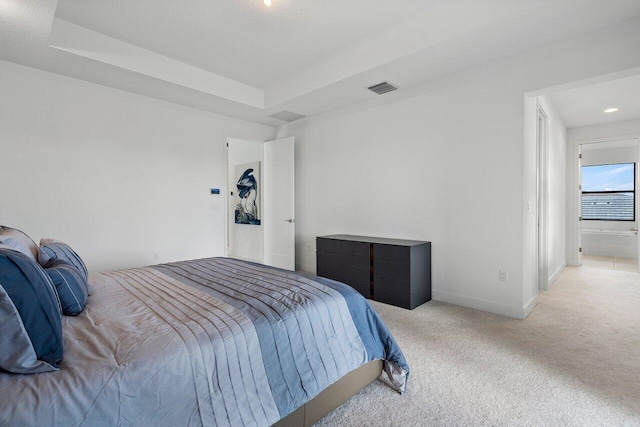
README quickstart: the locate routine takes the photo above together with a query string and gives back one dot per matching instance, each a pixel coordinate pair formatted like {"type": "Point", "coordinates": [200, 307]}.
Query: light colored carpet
{"type": "Point", "coordinates": [574, 362]}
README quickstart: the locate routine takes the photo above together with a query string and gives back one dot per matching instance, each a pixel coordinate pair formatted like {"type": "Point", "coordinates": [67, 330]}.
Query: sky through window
{"type": "Point", "coordinates": [616, 177]}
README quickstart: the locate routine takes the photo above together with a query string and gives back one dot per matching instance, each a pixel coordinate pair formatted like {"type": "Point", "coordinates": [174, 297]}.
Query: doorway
{"type": "Point", "coordinates": [608, 177]}
{"type": "Point", "coordinates": [260, 207]}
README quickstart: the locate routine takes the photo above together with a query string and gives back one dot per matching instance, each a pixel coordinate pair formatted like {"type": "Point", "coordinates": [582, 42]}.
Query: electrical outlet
{"type": "Point", "coordinates": [156, 256]}
{"type": "Point", "coordinates": [503, 276]}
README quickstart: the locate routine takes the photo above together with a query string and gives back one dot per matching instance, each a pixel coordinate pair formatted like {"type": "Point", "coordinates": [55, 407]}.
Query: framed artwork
{"type": "Point", "coordinates": [249, 188]}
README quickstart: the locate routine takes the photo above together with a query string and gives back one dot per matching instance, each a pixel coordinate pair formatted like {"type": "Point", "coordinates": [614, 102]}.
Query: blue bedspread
{"type": "Point", "coordinates": [311, 330]}
{"type": "Point", "coordinates": [211, 342]}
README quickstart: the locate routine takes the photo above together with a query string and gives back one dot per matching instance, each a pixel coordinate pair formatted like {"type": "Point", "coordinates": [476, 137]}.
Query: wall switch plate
{"type": "Point", "coordinates": [503, 276]}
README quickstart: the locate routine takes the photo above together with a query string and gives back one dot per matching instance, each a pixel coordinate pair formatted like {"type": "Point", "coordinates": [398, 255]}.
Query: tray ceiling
{"type": "Point", "coordinates": [242, 59]}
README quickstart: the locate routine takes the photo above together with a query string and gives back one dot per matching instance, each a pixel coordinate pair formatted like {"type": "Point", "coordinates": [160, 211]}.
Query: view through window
{"type": "Point", "coordinates": [608, 192]}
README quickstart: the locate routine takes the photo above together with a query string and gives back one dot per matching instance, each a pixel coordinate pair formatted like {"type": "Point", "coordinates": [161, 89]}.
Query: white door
{"type": "Point", "coordinates": [580, 205]}
{"type": "Point", "coordinates": [278, 202]}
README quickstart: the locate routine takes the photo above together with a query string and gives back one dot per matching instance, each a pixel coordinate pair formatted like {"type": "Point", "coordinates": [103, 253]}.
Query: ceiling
{"type": "Point", "coordinates": [288, 37]}
{"type": "Point", "coordinates": [584, 106]}
{"type": "Point", "coordinates": [243, 59]}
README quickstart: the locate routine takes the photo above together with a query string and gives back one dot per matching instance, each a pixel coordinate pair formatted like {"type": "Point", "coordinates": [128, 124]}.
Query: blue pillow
{"type": "Point", "coordinates": [30, 315]}
{"type": "Point", "coordinates": [53, 249]}
{"type": "Point", "coordinates": [71, 286]}
{"type": "Point", "coordinates": [19, 241]}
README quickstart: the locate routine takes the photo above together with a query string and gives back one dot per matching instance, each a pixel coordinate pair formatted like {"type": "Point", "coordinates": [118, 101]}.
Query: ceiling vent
{"type": "Point", "coordinates": [382, 88]}
{"type": "Point", "coordinates": [287, 116]}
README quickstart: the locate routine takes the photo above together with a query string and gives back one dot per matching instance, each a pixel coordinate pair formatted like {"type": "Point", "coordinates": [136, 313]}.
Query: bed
{"type": "Point", "coordinates": [215, 341]}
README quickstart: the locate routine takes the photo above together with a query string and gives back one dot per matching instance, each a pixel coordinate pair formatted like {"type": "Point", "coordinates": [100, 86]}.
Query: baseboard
{"type": "Point", "coordinates": [484, 305]}
{"type": "Point", "coordinates": [528, 308]}
{"type": "Point", "coordinates": [555, 275]}
{"type": "Point", "coordinates": [307, 268]}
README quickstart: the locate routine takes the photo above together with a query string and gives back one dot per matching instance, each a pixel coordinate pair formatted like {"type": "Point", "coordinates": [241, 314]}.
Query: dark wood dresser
{"type": "Point", "coordinates": [392, 271]}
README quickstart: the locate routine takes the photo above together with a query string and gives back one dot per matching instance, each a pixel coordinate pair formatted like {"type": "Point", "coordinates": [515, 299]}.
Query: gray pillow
{"type": "Point", "coordinates": [19, 241]}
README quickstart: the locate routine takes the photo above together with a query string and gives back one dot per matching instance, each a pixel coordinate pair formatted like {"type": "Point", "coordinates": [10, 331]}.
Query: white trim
{"type": "Point", "coordinates": [528, 308]}
{"type": "Point", "coordinates": [573, 244]}
{"type": "Point", "coordinates": [556, 274]}
{"type": "Point", "coordinates": [225, 190]}
{"type": "Point", "coordinates": [542, 195]}
{"type": "Point", "coordinates": [484, 305]}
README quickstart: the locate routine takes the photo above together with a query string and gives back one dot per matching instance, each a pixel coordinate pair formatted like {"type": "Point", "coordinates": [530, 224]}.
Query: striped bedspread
{"type": "Point", "coordinates": [208, 342]}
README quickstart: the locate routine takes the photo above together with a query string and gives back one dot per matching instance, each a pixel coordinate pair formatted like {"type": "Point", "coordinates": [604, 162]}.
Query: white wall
{"type": "Point", "coordinates": [443, 162]}
{"type": "Point", "coordinates": [446, 163]}
{"type": "Point", "coordinates": [116, 175]}
{"type": "Point", "coordinates": [593, 134]}
{"type": "Point", "coordinates": [605, 132]}
{"type": "Point", "coordinates": [557, 230]}
{"type": "Point", "coordinates": [245, 241]}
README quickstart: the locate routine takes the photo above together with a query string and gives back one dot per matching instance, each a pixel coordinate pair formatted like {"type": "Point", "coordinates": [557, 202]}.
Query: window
{"type": "Point", "coordinates": [609, 192]}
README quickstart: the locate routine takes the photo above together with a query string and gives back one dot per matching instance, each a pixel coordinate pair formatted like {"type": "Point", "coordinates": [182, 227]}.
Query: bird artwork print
{"type": "Point", "coordinates": [247, 209]}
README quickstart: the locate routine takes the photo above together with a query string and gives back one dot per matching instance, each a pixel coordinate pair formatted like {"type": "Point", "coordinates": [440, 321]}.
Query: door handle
{"type": "Point", "coordinates": [290, 220]}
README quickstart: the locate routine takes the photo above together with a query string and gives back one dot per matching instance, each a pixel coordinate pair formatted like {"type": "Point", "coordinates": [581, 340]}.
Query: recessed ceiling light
{"type": "Point", "coordinates": [611, 110]}
{"type": "Point", "coordinates": [267, 2]}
